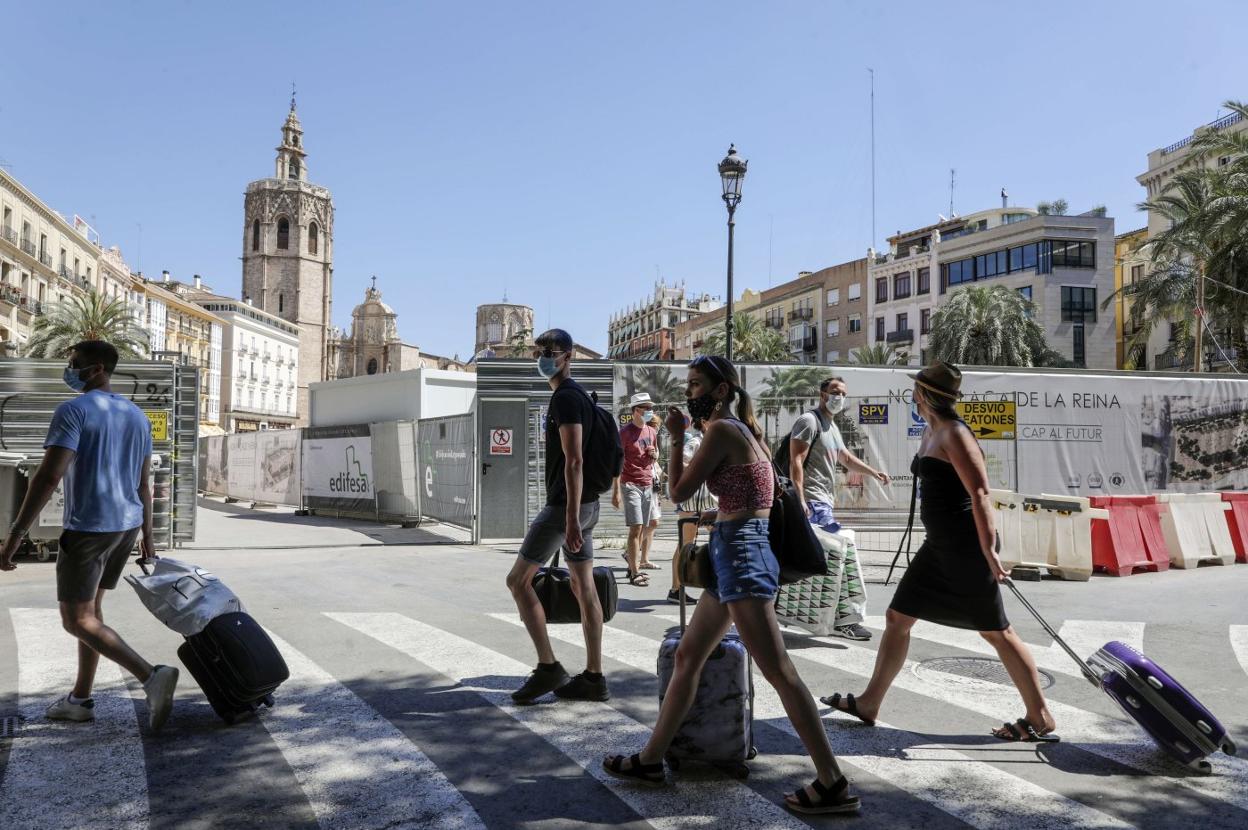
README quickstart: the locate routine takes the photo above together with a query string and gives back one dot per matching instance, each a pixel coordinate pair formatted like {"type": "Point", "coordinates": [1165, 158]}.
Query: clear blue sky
{"type": "Point", "coordinates": [566, 149]}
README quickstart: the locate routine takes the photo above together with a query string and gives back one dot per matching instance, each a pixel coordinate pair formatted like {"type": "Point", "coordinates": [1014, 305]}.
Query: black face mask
{"type": "Point", "coordinates": [702, 408]}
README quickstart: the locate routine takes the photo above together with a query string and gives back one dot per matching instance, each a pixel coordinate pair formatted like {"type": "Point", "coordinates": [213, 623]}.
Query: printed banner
{"type": "Point", "coordinates": [277, 462]}
{"type": "Point", "coordinates": [337, 468]}
{"type": "Point", "coordinates": [447, 470]}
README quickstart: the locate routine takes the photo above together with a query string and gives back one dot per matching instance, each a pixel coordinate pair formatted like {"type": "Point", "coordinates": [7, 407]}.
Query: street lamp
{"type": "Point", "coordinates": [732, 174]}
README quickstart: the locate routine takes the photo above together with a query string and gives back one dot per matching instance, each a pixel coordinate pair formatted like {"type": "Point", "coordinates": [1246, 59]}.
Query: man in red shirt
{"type": "Point", "coordinates": [634, 487]}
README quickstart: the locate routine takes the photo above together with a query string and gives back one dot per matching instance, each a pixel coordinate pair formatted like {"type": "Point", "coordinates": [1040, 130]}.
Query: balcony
{"type": "Point", "coordinates": [45, 259]}
{"type": "Point", "coordinates": [900, 336]}
{"type": "Point", "coordinates": [773, 322]}
{"type": "Point", "coordinates": [11, 296]}
{"type": "Point", "coordinates": [8, 234]}
{"type": "Point", "coordinates": [1172, 360]}
{"type": "Point", "coordinates": [801, 314]}
{"type": "Point", "coordinates": [28, 247]}
{"type": "Point", "coordinates": [803, 340]}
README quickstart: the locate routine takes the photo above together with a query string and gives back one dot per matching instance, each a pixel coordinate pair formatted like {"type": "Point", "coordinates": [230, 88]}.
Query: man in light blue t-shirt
{"type": "Point", "coordinates": [815, 449]}
{"type": "Point", "coordinates": [100, 445]}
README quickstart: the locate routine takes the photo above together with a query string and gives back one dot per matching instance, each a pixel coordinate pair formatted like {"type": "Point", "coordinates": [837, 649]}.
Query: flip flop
{"type": "Point", "coordinates": [850, 707]}
{"type": "Point", "coordinates": [1027, 734]}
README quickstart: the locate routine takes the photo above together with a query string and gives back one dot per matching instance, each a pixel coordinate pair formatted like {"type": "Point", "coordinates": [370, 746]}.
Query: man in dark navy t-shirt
{"type": "Point", "coordinates": [567, 521]}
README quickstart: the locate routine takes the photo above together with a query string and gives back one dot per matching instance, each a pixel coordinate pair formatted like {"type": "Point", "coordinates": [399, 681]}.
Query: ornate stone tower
{"type": "Point", "coordinates": [288, 253]}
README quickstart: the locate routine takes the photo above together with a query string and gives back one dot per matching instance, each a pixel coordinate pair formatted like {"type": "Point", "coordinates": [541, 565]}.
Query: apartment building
{"type": "Point", "coordinates": [647, 330]}
{"type": "Point", "coordinates": [180, 329]}
{"type": "Point", "coordinates": [259, 366]}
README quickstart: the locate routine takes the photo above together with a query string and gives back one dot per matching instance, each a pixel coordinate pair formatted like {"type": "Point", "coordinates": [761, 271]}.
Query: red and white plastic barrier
{"type": "Point", "coordinates": [1131, 538]}
{"type": "Point", "coordinates": [1237, 523]}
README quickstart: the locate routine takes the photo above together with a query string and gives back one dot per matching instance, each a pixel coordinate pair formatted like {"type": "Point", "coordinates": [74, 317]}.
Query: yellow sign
{"type": "Point", "coordinates": [160, 423]}
{"type": "Point", "coordinates": [989, 420]}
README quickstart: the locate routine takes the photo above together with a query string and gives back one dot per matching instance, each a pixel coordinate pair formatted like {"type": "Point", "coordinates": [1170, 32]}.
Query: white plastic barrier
{"type": "Point", "coordinates": [1196, 530]}
{"type": "Point", "coordinates": [1050, 532]}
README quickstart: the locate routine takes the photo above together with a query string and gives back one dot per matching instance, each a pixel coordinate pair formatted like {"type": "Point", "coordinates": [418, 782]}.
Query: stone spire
{"type": "Point", "coordinates": [290, 154]}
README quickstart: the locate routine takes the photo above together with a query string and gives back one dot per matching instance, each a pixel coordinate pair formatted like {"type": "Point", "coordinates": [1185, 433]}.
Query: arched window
{"type": "Point", "coordinates": [313, 240]}
{"type": "Point", "coordinates": [294, 168]}
{"type": "Point", "coordinates": [372, 365]}
{"type": "Point", "coordinates": [283, 234]}
{"type": "Point", "coordinates": [255, 234]}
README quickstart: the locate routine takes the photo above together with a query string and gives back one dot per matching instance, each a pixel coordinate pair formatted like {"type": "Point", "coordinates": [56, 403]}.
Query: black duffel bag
{"type": "Point", "coordinates": [793, 540]}
{"type": "Point", "coordinates": [554, 590]}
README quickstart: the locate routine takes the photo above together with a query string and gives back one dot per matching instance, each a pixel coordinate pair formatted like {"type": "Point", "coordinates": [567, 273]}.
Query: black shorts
{"type": "Point", "coordinates": [88, 562]}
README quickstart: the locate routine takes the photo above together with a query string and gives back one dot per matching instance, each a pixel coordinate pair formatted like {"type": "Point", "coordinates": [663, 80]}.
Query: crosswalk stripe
{"type": "Point", "coordinates": [1084, 636]}
{"type": "Point", "coordinates": [356, 769]}
{"type": "Point", "coordinates": [582, 732]}
{"type": "Point", "coordinates": [977, 793]}
{"type": "Point", "coordinates": [1117, 740]}
{"type": "Point", "coordinates": [70, 775]}
{"type": "Point", "coordinates": [1239, 644]}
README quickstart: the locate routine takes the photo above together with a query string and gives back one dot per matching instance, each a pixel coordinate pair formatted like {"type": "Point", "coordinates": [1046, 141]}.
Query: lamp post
{"type": "Point", "coordinates": [731, 174]}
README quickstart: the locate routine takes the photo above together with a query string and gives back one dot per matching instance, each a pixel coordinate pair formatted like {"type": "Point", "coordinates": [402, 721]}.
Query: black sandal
{"type": "Point", "coordinates": [651, 774]}
{"type": "Point", "coordinates": [639, 579]}
{"type": "Point", "coordinates": [1021, 731]}
{"type": "Point", "coordinates": [850, 707]}
{"type": "Point", "coordinates": [834, 799]}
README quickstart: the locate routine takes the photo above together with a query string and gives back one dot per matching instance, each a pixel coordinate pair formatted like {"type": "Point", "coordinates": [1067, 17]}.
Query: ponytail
{"type": "Point", "coordinates": [745, 414]}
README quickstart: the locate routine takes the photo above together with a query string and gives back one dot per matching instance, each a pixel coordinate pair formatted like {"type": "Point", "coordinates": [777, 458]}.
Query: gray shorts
{"type": "Point", "coordinates": [638, 504]}
{"type": "Point", "coordinates": [546, 535]}
{"type": "Point", "coordinates": [88, 562]}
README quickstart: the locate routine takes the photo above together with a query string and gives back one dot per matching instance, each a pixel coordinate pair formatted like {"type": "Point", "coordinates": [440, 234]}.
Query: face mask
{"type": "Point", "coordinates": [73, 379]}
{"type": "Point", "coordinates": [548, 367]}
{"type": "Point", "coordinates": [702, 408]}
{"type": "Point", "coordinates": [648, 417]}
{"type": "Point", "coordinates": [834, 404]}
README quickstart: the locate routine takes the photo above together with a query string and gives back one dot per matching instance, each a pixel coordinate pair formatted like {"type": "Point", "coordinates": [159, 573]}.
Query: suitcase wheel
{"type": "Point", "coordinates": [1228, 746]}
{"type": "Point", "coordinates": [752, 754]}
{"type": "Point", "coordinates": [267, 700]}
{"type": "Point", "coordinates": [1202, 766]}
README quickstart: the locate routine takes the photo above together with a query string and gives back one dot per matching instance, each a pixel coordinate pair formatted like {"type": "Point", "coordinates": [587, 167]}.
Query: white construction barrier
{"type": "Point", "coordinates": [1196, 530]}
{"type": "Point", "coordinates": [1050, 532]}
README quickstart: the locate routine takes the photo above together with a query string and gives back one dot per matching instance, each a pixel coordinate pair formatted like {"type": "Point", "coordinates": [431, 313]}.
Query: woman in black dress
{"type": "Point", "coordinates": [955, 577]}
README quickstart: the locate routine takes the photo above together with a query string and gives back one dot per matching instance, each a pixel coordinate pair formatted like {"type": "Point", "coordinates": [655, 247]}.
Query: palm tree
{"type": "Point", "coordinates": [752, 341]}
{"type": "Point", "coordinates": [89, 316]}
{"type": "Point", "coordinates": [988, 326]}
{"type": "Point", "coordinates": [879, 354]}
{"type": "Point", "coordinates": [664, 386]}
{"type": "Point", "coordinates": [789, 390]}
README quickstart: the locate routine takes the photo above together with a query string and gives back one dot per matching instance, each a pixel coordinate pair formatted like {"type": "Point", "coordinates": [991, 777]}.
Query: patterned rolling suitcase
{"type": "Point", "coordinates": [1178, 722]}
{"type": "Point", "coordinates": [719, 728]}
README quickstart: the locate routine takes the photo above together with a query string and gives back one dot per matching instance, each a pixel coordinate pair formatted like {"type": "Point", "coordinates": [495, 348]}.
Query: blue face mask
{"type": "Point", "coordinates": [548, 367]}
{"type": "Point", "coordinates": [648, 417]}
{"type": "Point", "coordinates": [73, 379]}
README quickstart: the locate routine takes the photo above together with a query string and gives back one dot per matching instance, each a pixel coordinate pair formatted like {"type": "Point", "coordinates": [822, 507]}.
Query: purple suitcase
{"type": "Point", "coordinates": [1178, 722]}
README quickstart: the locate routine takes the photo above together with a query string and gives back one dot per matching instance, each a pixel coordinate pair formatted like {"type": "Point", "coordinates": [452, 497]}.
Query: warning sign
{"type": "Point", "coordinates": [989, 420]}
{"type": "Point", "coordinates": [873, 413]}
{"type": "Point", "coordinates": [500, 442]}
{"type": "Point", "coordinates": [160, 423]}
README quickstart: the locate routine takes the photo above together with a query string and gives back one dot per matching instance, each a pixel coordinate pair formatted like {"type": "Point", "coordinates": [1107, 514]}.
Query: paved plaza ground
{"type": "Point", "coordinates": [403, 645]}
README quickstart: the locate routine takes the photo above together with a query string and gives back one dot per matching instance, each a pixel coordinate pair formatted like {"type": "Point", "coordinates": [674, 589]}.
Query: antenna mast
{"type": "Point", "coordinates": [872, 71]}
{"type": "Point", "coordinates": [952, 181]}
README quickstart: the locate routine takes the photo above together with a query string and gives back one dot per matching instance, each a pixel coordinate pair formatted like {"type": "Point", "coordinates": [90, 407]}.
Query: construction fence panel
{"type": "Point", "coordinates": [394, 469]}
{"type": "Point", "coordinates": [447, 458]}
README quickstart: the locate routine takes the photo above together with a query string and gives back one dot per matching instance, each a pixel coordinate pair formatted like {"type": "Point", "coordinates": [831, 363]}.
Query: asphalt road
{"type": "Point", "coordinates": [403, 647]}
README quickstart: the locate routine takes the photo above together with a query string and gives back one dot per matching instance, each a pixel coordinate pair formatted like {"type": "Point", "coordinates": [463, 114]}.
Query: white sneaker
{"type": "Point", "coordinates": [63, 709]}
{"type": "Point", "coordinates": [159, 688]}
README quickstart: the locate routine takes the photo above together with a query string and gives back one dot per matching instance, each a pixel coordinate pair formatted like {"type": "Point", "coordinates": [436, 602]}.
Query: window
{"type": "Point", "coordinates": [1073, 254]}
{"type": "Point", "coordinates": [834, 296]}
{"type": "Point", "coordinates": [855, 323]}
{"type": "Point", "coordinates": [255, 234]}
{"type": "Point", "coordinates": [1025, 291]}
{"type": "Point", "coordinates": [854, 292]}
{"type": "Point", "coordinates": [925, 281]}
{"type": "Point", "coordinates": [834, 328]}
{"type": "Point", "coordinates": [313, 241]}
{"type": "Point", "coordinates": [1076, 350]}
{"type": "Point", "coordinates": [281, 302]}
{"type": "Point", "coordinates": [283, 234]}
{"type": "Point", "coordinates": [903, 322]}
{"type": "Point", "coordinates": [1078, 305]}
{"type": "Point", "coordinates": [956, 273]}
{"type": "Point", "coordinates": [372, 365]}
{"type": "Point", "coordinates": [1137, 273]}
{"type": "Point", "coordinates": [881, 290]}
{"type": "Point", "coordinates": [901, 285]}
{"type": "Point", "coordinates": [879, 329]}
{"type": "Point", "coordinates": [834, 355]}
{"type": "Point", "coordinates": [294, 168]}
{"type": "Point", "coordinates": [77, 264]}
{"type": "Point", "coordinates": [925, 321]}
{"type": "Point", "coordinates": [43, 245]}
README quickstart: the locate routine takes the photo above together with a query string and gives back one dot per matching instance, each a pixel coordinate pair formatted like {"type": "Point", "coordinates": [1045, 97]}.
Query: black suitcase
{"type": "Point", "coordinates": [554, 590]}
{"type": "Point", "coordinates": [236, 664]}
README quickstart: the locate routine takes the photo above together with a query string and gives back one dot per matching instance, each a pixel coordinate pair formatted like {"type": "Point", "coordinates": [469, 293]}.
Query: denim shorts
{"type": "Point", "coordinates": [742, 564]}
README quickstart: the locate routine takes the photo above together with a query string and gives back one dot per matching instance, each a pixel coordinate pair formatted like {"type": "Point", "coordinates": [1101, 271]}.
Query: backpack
{"type": "Point", "coordinates": [603, 451]}
{"type": "Point", "coordinates": [780, 454]}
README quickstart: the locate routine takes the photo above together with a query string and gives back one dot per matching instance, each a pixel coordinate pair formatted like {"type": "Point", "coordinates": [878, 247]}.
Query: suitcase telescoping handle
{"type": "Point", "coordinates": [1083, 665]}
{"type": "Point", "coordinates": [680, 540]}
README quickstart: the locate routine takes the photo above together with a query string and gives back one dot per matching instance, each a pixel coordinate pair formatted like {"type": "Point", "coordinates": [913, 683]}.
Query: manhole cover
{"type": "Point", "coordinates": [973, 668]}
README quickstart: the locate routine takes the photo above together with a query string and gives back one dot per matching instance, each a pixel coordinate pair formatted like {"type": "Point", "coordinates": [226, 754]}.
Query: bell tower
{"type": "Point", "coordinates": [288, 233]}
